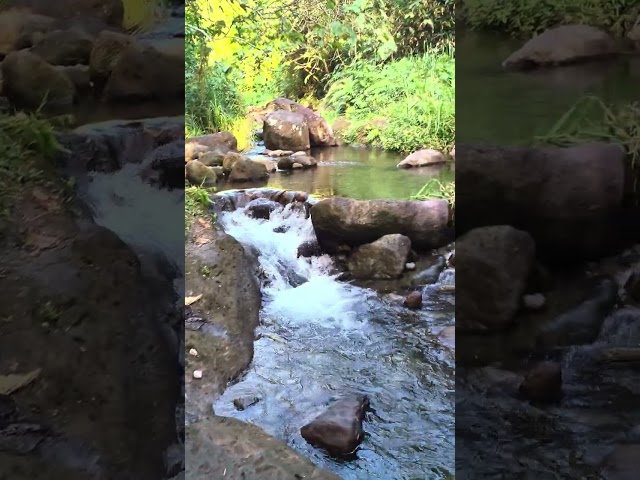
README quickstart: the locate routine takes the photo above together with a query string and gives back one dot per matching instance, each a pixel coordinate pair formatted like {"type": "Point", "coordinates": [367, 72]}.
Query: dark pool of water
{"type": "Point", "coordinates": [512, 107]}
{"type": "Point", "coordinates": [360, 173]}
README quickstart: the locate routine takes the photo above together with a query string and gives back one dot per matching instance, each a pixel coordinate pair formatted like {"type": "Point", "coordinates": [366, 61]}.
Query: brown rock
{"type": "Point", "coordinates": [422, 158]}
{"type": "Point", "coordinates": [199, 174]}
{"type": "Point", "coordinates": [64, 47]}
{"type": "Point", "coordinates": [338, 430]}
{"type": "Point", "coordinates": [286, 131]}
{"type": "Point", "coordinates": [543, 383]}
{"type": "Point", "coordinates": [107, 49]}
{"type": "Point", "coordinates": [109, 11]}
{"type": "Point", "coordinates": [247, 171]}
{"type": "Point", "coordinates": [18, 28]}
{"type": "Point", "coordinates": [413, 300]}
{"type": "Point", "coordinates": [216, 140]}
{"type": "Point", "coordinates": [383, 259]}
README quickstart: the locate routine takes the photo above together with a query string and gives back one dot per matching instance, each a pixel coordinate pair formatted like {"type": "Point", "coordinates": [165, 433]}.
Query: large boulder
{"type": "Point", "coordinates": [338, 429]}
{"type": "Point", "coordinates": [109, 11]}
{"type": "Point", "coordinates": [216, 140]}
{"type": "Point", "coordinates": [423, 158]}
{"type": "Point", "coordinates": [223, 447]}
{"type": "Point", "coordinates": [136, 73]}
{"type": "Point", "coordinates": [19, 27]}
{"type": "Point", "coordinates": [320, 132]}
{"type": "Point", "coordinates": [568, 199]}
{"type": "Point", "coordinates": [247, 171]}
{"type": "Point", "coordinates": [230, 159]}
{"type": "Point", "coordinates": [286, 131]}
{"type": "Point", "coordinates": [383, 259]}
{"type": "Point", "coordinates": [221, 324]}
{"type": "Point", "coordinates": [343, 221]}
{"type": "Point", "coordinates": [64, 47]}
{"type": "Point", "coordinates": [29, 82]}
{"type": "Point", "coordinates": [494, 264]}
{"type": "Point", "coordinates": [562, 45]}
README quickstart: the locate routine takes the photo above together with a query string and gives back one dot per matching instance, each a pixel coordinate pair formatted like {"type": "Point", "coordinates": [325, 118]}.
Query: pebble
{"type": "Point", "coordinates": [197, 374]}
{"type": "Point", "coordinates": [534, 301]}
{"type": "Point", "coordinates": [193, 352]}
{"type": "Point", "coordinates": [410, 266]}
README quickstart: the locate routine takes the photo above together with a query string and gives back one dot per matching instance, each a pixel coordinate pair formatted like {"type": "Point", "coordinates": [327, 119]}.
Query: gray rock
{"type": "Point", "coordinates": [383, 259]}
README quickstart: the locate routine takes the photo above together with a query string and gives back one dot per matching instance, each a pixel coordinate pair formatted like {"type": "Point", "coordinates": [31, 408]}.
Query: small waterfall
{"type": "Point", "coordinates": [296, 289]}
{"type": "Point", "coordinates": [137, 212]}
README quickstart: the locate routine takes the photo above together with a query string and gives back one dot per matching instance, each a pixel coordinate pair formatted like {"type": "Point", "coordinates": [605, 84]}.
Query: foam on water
{"type": "Point", "coordinates": [298, 289]}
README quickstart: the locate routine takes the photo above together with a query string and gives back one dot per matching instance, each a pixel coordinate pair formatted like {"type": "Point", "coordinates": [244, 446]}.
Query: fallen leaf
{"type": "Point", "coordinates": [191, 300]}
{"type": "Point", "coordinates": [202, 240]}
{"type": "Point", "coordinates": [13, 382]}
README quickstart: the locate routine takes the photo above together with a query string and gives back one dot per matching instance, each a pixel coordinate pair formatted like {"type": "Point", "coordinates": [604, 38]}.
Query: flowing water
{"type": "Point", "coordinates": [512, 107]}
{"type": "Point", "coordinates": [321, 339]}
{"type": "Point", "coordinates": [360, 173]}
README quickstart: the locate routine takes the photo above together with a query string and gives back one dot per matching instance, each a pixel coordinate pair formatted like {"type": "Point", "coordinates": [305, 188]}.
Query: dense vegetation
{"type": "Point", "coordinates": [527, 17]}
{"type": "Point", "coordinates": [385, 65]}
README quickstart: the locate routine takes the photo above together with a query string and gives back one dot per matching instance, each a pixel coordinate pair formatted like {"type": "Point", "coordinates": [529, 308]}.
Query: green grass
{"type": "Point", "coordinates": [196, 204]}
{"type": "Point", "coordinates": [403, 105]}
{"type": "Point", "coordinates": [27, 147]}
{"type": "Point", "coordinates": [592, 120]}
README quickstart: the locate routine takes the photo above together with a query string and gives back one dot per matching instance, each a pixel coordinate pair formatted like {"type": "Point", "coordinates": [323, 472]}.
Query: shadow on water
{"type": "Point", "coordinates": [512, 107]}
{"type": "Point", "coordinates": [360, 173]}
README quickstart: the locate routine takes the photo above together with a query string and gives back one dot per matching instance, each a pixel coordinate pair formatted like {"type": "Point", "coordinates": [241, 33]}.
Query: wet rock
{"type": "Point", "coordinates": [28, 81]}
{"type": "Point", "coordinates": [543, 383]}
{"type": "Point", "coordinates": [243, 403]}
{"type": "Point", "coordinates": [230, 159]}
{"type": "Point", "coordinates": [215, 140]}
{"type": "Point", "coordinates": [338, 430]}
{"type": "Point", "coordinates": [247, 171]}
{"type": "Point", "coordinates": [286, 131]}
{"type": "Point", "coordinates": [383, 259]}
{"type": "Point", "coordinates": [262, 208]}
{"type": "Point", "coordinates": [632, 286]}
{"type": "Point", "coordinates": [109, 11]}
{"type": "Point", "coordinates": [343, 221]}
{"type": "Point", "coordinates": [269, 164]}
{"type": "Point", "coordinates": [495, 263]}
{"type": "Point", "coordinates": [79, 75]}
{"type": "Point", "coordinates": [320, 132]}
{"type": "Point", "coordinates": [279, 153]}
{"type": "Point", "coordinates": [107, 49]}
{"type": "Point", "coordinates": [422, 158]}
{"type": "Point", "coordinates": [413, 300]}
{"type": "Point", "coordinates": [310, 248]}
{"type": "Point", "coordinates": [168, 162]}
{"type": "Point", "coordinates": [568, 199]}
{"type": "Point", "coordinates": [136, 72]}
{"type": "Point", "coordinates": [288, 163]}
{"type": "Point", "coordinates": [430, 275]}
{"type": "Point", "coordinates": [562, 45]}
{"type": "Point", "coordinates": [580, 325]}
{"type": "Point", "coordinates": [223, 274]}
{"type": "Point", "coordinates": [19, 28]}
{"type": "Point", "coordinates": [621, 328]}
{"type": "Point", "coordinates": [623, 463]}
{"type": "Point", "coordinates": [534, 301]}
{"type": "Point", "coordinates": [222, 447]}
{"type": "Point", "coordinates": [447, 336]}
{"type": "Point", "coordinates": [281, 229]}
{"type": "Point", "coordinates": [211, 158]}
{"type": "Point", "coordinates": [200, 175]}
{"type": "Point", "coordinates": [64, 47]}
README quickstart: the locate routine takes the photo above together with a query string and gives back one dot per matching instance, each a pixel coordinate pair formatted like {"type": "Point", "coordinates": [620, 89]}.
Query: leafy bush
{"type": "Point", "coordinates": [527, 17]}
{"type": "Point", "coordinates": [402, 105]}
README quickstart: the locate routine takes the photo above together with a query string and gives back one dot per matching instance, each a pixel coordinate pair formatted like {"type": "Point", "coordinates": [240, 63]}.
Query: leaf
{"type": "Point", "coordinates": [191, 300]}
{"type": "Point", "coordinates": [11, 383]}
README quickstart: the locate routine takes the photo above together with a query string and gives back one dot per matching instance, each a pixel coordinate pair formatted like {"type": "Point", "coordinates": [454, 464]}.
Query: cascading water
{"type": "Point", "coordinates": [321, 338]}
{"type": "Point", "coordinates": [120, 201]}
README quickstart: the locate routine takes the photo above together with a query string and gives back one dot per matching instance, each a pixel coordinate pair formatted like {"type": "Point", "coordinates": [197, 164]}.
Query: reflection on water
{"type": "Point", "coordinates": [360, 173]}
{"type": "Point", "coordinates": [512, 107]}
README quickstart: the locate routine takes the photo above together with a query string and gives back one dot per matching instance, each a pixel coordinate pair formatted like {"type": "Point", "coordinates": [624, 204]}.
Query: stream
{"type": "Point", "coordinates": [321, 339]}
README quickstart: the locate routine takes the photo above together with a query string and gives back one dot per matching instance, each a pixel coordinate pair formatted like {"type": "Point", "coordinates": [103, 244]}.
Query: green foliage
{"type": "Point", "coordinates": [402, 105]}
{"type": "Point", "coordinates": [197, 204]}
{"type": "Point", "coordinates": [27, 146]}
{"type": "Point", "coordinates": [212, 99]}
{"type": "Point", "coordinates": [591, 120]}
{"type": "Point", "coordinates": [527, 17]}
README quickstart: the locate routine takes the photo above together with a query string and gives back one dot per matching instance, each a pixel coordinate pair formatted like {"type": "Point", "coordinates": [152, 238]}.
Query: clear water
{"type": "Point", "coordinates": [513, 107]}
{"type": "Point", "coordinates": [360, 173]}
{"type": "Point", "coordinates": [322, 339]}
